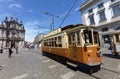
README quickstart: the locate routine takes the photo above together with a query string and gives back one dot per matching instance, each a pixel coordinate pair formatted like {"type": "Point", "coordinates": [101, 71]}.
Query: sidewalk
{"type": "Point", "coordinates": [109, 60]}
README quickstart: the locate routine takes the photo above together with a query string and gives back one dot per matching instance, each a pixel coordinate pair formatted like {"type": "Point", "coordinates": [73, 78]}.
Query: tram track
{"type": "Point", "coordinates": [104, 69]}
{"type": "Point", "coordinates": [110, 70]}
{"type": "Point", "coordinates": [95, 77]}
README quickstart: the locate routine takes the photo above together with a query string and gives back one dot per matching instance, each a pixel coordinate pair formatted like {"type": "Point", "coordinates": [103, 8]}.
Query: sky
{"type": "Point", "coordinates": [32, 13]}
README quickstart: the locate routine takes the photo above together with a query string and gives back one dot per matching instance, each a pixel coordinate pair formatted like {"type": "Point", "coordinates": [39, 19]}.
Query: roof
{"type": "Point", "coordinates": [87, 4]}
{"type": "Point", "coordinates": [71, 26]}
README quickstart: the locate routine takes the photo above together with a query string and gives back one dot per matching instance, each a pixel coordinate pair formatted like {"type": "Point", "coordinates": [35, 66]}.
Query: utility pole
{"type": "Point", "coordinates": [52, 20]}
{"type": "Point", "coordinates": [2, 34]}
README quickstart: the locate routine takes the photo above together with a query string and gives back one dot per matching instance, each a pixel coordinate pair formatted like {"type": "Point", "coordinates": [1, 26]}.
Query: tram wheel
{"type": "Point", "coordinates": [91, 71]}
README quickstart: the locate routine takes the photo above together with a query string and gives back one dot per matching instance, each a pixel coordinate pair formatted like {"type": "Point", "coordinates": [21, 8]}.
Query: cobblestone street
{"type": "Point", "coordinates": [30, 64]}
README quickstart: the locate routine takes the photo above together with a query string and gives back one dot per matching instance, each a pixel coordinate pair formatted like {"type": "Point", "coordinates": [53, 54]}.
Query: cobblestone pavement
{"type": "Point", "coordinates": [30, 64]}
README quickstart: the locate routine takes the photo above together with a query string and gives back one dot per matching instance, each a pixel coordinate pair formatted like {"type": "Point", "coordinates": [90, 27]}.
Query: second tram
{"type": "Point", "coordinates": [115, 42]}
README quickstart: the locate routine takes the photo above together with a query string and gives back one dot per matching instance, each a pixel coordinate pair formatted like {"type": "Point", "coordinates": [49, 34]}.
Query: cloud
{"type": "Point", "coordinates": [36, 24]}
{"type": "Point", "coordinates": [30, 11]}
{"type": "Point", "coordinates": [15, 5]}
{"type": "Point", "coordinates": [30, 34]}
{"type": "Point", "coordinates": [77, 9]}
{"type": "Point", "coordinates": [6, 0]}
{"type": "Point", "coordinates": [32, 24]}
{"type": "Point", "coordinates": [32, 29]}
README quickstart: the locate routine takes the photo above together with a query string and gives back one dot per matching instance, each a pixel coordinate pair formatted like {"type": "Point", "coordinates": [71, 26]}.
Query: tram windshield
{"type": "Point", "coordinates": [88, 37]}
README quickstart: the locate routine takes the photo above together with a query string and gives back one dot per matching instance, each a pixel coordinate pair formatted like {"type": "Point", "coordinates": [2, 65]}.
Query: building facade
{"type": "Point", "coordinates": [38, 40]}
{"type": "Point", "coordinates": [12, 33]}
{"type": "Point", "coordinates": [104, 14]}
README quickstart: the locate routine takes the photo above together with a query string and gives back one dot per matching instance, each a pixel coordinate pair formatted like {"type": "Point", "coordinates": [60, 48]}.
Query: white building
{"type": "Point", "coordinates": [12, 33]}
{"type": "Point", "coordinates": [104, 14]}
{"type": "Point", "coordinates": [38, 40]}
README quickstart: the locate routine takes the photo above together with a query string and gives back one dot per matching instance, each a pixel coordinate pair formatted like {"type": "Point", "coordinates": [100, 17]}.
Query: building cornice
{"type": "Point", "coordinates": [116, 19]}
{"type": "Point", "coordinates": [88, 4]}
{"type": "Point", "coordinates": [116, 2]}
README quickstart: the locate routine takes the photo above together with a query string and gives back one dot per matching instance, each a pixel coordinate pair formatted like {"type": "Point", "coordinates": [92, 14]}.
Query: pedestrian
{"type": "Point", "coordinates": [10, 52]}
{"type": "Point", "coordinates": [16, 48]}
{"type": "Point", "coordinates": [112, 44]}
{"type": "Point", "coordinates": [1, 50]}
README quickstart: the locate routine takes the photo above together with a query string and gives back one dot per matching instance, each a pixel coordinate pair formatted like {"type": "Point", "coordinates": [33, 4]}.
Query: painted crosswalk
{"type": "Point", "coordinates": [23, 76]}
{"type": "Point", "coordinates": [68, 75]}
{"type": "Point", "coordinates": [52, 66]}
{"type": "Point", "coordinates": [45, 61]}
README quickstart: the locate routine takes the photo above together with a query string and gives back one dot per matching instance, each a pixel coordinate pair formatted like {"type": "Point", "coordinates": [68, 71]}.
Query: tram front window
{"type": "Point", "coordinates": [88, 37]}
{"type": "Point", "coordinates": [96, 37]}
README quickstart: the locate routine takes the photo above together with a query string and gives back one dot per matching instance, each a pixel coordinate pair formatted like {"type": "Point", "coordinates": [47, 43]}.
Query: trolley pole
{"type": "Point", "coordinates": [52, 20]}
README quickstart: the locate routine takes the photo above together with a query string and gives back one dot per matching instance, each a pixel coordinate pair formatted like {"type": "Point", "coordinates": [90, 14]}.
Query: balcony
{"type": "Point", "coordinates": [114, 2]}
{"type": "Point", "coordinates": [3, 38]}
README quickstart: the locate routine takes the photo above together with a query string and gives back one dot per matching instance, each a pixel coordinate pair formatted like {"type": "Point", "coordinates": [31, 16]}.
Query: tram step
{"type": "Point", "coordinates": [72, 64]}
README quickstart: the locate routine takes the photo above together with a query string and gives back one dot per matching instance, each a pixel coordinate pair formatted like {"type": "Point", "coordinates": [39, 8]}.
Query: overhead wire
{"type": "Point", "coordinates": [68, 13]}
{"type": "Point", "coordinates": [66, 7]}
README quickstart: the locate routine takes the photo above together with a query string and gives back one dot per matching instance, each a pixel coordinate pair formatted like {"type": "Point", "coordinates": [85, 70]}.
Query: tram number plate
{"type": "Point", "coordinates": [117, 47]}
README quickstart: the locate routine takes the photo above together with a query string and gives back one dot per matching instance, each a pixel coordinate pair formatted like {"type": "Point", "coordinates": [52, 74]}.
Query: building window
{"type": "Point", "coordinates": [91, 18]}
{"type": "Point", "coordinates": [90, 11]}
{"type": "Point", "coordinates": [102, 16]}
{"type": "Point", "coordinates": [100, 5]}
{"type": "Point", "coordinates": [112, 0]}
{"type": "Point", "coordinates": [116, 10]}
{"type": "Point", "coordinates": [104, 29]}
{"type": "Point", "coordinates": [118, 28]}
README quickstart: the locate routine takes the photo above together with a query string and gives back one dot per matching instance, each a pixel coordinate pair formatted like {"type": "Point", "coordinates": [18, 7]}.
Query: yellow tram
{"type": "Point", "coordinates": [115, 42]}
{"type": "Point", "coordinates": [76, 43]}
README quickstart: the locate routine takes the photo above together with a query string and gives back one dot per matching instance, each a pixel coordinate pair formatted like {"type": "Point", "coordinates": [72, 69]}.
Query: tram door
{"type": "Point", "coordinates": [72, 46]}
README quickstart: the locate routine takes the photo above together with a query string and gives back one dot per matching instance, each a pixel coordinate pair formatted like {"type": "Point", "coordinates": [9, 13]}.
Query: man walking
{"type": "Point", "coordinates": [1, 50]}
{"type": "Point", "coordinates": [16, 49]}
{"type": "Point", "coordinates": [10, 52]}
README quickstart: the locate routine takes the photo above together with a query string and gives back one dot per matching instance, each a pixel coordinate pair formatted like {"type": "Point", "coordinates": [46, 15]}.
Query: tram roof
{"type": "Point", "coordinates": [68, 28]}
{"type": "Point", "coordinates": [77, 25]}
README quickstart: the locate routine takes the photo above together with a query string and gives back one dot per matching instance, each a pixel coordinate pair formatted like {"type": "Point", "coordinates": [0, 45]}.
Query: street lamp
{"type": "Point", "coordinates": [52, 23]}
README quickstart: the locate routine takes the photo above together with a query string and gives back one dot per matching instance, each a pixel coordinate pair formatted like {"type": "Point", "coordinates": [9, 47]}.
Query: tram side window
{"type": "Point", "coordinates": [45, 42]}
{"type": "Point", "coordinates": [69, 37]}
{"type": "Point", "coordinates": [52, 43]}
{"type": "Point", "coordinates": [73, 37]}
{"type": "Point", "coordinates": [55, 41]}
{"type": "Point", "coordinates": [88, 36]}
{"type": "Point", "coordinates": [49, 42]}
{"type": "Point", "coordinates": [78, 37]}
{"type": "Point", "coordinates": [96, 38]}
{"type": "Point", "coordinates": [59, 41]}
{"type": "Point", "coordinates": [117, 37]}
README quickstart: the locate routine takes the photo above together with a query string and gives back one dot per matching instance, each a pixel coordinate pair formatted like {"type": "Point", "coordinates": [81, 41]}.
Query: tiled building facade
{"type": "Point", "coordinates": [104, 14]}
{"type": "Point", "coordinates": [12, 33]}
